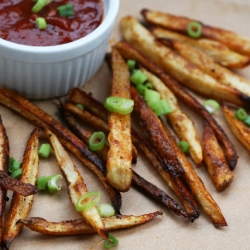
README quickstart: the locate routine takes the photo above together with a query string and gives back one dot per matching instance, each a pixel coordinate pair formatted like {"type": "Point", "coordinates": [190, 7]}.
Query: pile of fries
{"type": "Point", "coordinates": [172, 62]}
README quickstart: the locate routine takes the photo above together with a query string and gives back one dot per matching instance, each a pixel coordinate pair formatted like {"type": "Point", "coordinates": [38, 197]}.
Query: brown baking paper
{"type": "Point", "coordinates": [167, 231]}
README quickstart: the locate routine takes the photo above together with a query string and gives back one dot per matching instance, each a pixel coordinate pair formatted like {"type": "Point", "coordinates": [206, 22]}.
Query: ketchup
{"type": "Point", "coordinates": [17, 22]}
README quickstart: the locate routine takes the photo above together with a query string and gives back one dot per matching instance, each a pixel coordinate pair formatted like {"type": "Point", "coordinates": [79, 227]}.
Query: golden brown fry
{"type": "Point", "coordinates": [239, 129]}
{"type": "Point", "coordinates": [217, 51]}
{"type": "Point", "coordinates": [119, 172]}
{"type": "Point", "coordinates": [215, 161]}
{"type": "Point", "coordinates": [21, 188]}
{"type": "Point", "coordinates": [75, 184]}
{"type": "Point", "coordinates": [198, 188]}
{"type": "Point", "coordinates": [178, 23]}
{"type": "Point", "coordinates": [39, 117]}
{"type": "Point", "coordinates": [178, 67]}
{"type": "Point", "coordinates": [20, 205]}
{"type": "Point", "coordinates": [4, 159]}
{"type": "Point", "coordinates": [181, 123]}
{"type": "Point", "coordinates": [155, 130]}
{"type": "Point", "coordinates": [129, 52]}
{"type": "Point", "coordinates": [206, 64]}
{"type": "Point", "coordinates": [79, 226]}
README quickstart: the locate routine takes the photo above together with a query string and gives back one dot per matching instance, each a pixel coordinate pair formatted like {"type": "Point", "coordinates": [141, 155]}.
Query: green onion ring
{"type": "Point", "coordinates": [211, 106]}
{"type": "Point", "coordinates": [194, 29]}
{"type": "Point", "coordinates": [97, 141]}
{"type": "Point", "coordinates": [90, 195]}
{"type": "Point", "coordinates": [119, 105]}
{"type": "Point", "coordinates": [241, 114]}
{"type": "Point", "coordinates": [110, 242]}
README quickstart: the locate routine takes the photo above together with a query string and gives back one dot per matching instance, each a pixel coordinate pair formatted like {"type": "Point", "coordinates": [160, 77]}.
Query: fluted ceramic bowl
{"type": "Point", "coordinates": [41, 72]}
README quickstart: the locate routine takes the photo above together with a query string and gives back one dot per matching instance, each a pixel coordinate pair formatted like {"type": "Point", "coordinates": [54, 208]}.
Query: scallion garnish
{"type": "Point", "coordinates": [41, 182]}
{"type": "Point", "coordinates": [66, 10]}
{"type": "Point", "coordinates": [44, 150]}
{"type": "Point", "coordinates": [131, 64]}
{"type": "Point", "coordinates": [110, 242]}
{"type": "Point", "coordinates": [151, 95]}
{"type": "Point", "coordinates": [13, 165]}
{"type": "Point", "coordinates": [80, 106]}
{"type": "Point", "coordinates": [194, 29]}
{"type": "Point", "coordinates": [138, 77]}
{"type": "Point", "coordinates": [52, 183]}
{"type": "Point", "coordinates": [87, 201]}
{"type": "Point", "coordinates": [17, 173]}
{"type": "Point", "coordinates": [39, 5]}
{"type": "Point", "coordinates": [97, 141]}
{"type": "Point", "coordinates": [161, 107]}
{"type": "Point", "coordinates": [106, 210]}
{"type": "Point", "coordinates": [119, 105]}
{"type": "Point", "coordinates": [241, 114]}
{"type": "Point", "coordinates": [41, 23]}
{"type": "Point", "coordinates": [183, 145]}
{"type": "Point", "coordinates": [211, 106]}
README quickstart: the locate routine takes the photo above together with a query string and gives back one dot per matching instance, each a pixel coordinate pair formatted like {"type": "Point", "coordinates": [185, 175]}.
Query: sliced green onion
{"type": "Point", "coordinates": [14, 165]}
{"type": "Point", "coordinates": [241, 114]}
{"type": "Point", "coordinates": [161, 107]}
{"type": "Point", "coordinates": [52, 183]}
{"type": "Point", "coordinates": [110, 242]}
{"type": "Point", "coordinates": [41, 182]}
{"type": "Point", "coordinates": [17, 173]}
{"type": "Point", "coordinates": [90, 201]}
{"type": "Point", "coordinates": [183, 145]}
{"type": "Point", "coordinates": [140, 88]}
{"type": "Point", "coordinates": [131, 64]}
{"type": "Point", "coordinates": [106, 210]}
{"type": "Point", "coordinates": [148, 85]}
{"type": "Point", "coordinates": [119, 105]}
{"type": "Point", "coordinates": [66, 10]}
{"type": "Point", "coordinates": [39, 5]}
{"type": "Point", "coordinates": [151, 95]}
{"type": "Point", "coordinates": [194, 29]}
{"type": "Point", "coordinates": [138, 77]}
{"type": "Point", "coordinates": [44, 150]}
{"type": "Point", "coordinates": [97, 141]}
{"type": "Point", "coordinates": [247, 121]}
{"type": "Point", "coordinates": [80, 106]}
{"type": "Point", "coordinates": [211, 106]}
{"type": "Point", "coordinates": [41, 23]}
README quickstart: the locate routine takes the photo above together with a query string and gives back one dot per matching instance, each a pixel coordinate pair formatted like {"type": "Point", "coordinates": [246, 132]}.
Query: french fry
{"type": "Point", "coordinates": [119, 172]}
{"type": "Point", "coordinates": [239, 129]}
{"type": "Point", "coordinates": [4, 159]}
{"type": "Point", "coordinates": [75, 184]}
{"type": "Point", "coordinates": [206, 64]}
{"type": "Point", "coordinates": [39, 117]}
{"type": "Point", "coordinates": [215, 161]}
{"type": "Point", "coordinates": [201, 194]}
{"type": "Point", "coordinates": [217, 51]}
{"type": "Point", "coordinates": [181, 123]}
{"type": "Point", "coordinates": [20, 205]}
{"type": "Point", "coordinates": [231, 39]}
{"type": "Point", "coordinates": [129, 52]}
{"type": "Point", "coordinates": [155, 130]}
{"type": "Point", "coordinates": [79, 226]}
{"type": "Point", "coordinates": [178, 67]}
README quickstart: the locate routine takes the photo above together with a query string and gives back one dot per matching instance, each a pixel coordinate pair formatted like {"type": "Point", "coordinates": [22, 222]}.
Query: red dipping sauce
{"type": "Point", "coordinates": [17, 22]}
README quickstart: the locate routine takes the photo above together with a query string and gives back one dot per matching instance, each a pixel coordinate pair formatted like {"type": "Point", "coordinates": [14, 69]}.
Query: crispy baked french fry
{"type": "Point", "coordinates": [155, 130]}
{"type": "Point", "coordinates": [197, 187]}
{"type": "Point", "coordinates": [178, 23]}
{"type": "Point", "coordinates": [181, 123]}
{"type": "Point", "coordinates": [219, 52]}
{"type": "Point", "coordinates": [20, 205]}
{"type": "Point", "coordinates": [4, 159]}
{"type": "Point", "coordinates": [39, 117]}
{"type": "Point", "coordinates": [239, 129]}
{"type": "Point", "coordinates": [178, 67]}
{"type": "Point", "coordinates": [129, 52]}
{"type": "Point", "coordinates": [206, 64]}
{"type": "Point", "coordinates": [215, 161]}
{"type": "Point", "coordinates": [119, 171]}
{"type": "Point", "coordinates": [75, 184]}
{"type": "Point", "coordinates": [79, 226]}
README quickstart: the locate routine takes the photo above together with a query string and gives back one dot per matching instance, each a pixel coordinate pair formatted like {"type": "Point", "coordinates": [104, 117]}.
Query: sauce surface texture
{"type": "Point", "coordinates": [17, 22]}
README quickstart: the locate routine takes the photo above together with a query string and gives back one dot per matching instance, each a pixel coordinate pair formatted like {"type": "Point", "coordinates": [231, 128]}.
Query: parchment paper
{"type": "Point", "coordinates": [168, 231]}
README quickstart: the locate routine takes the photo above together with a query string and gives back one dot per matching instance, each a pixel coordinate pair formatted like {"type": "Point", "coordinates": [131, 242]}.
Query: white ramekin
{"type": "Point", "coordinates": [39, 72]}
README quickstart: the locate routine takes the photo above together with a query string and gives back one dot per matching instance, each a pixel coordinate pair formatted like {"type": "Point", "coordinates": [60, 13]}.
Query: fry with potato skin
{"type": "Point", "coordinates": [129, 52]}
{"type": "Point", "coordinates": [75, 184]}
{"type": "Point", "coordinates": [4, 159]}
{"type": "Point", "coordinates": [184, 71]}
{"type": "Point", "coordinates": [20, 205]}
{"type": "Point", "coordinates": [79, 226]}
{"type": "Point", "coordinates": [231, 39]}
{"type": "Point", "coordinates": [181, 123]}
{"type": "Point", "coordinates": [219, 52]}
{"type": "Point", "coordinates": [214, 160]}
{"type": "Point", "coordinates": [119, 171]}
{"type": "Point", "coordinates": [39, 117]}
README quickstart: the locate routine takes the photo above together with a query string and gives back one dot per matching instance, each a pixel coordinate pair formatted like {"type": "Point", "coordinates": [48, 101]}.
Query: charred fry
{"type": "Point", "coordinates": [20, 205]}
{"type": "Point", "coordinates": [217, 51]}
{"type": "Point", "coordinates": [129, 52]}
{"type": "Point", "coordinates": [75, 184]}
{"type": "Point", "coordinates": [178, 67]}
{"type": "Point", "coordinates": [79, 226]}
{"type": "Point", "coordinates": [215, 161]}
{"type": "Point", "coordinates": [232, 40]}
